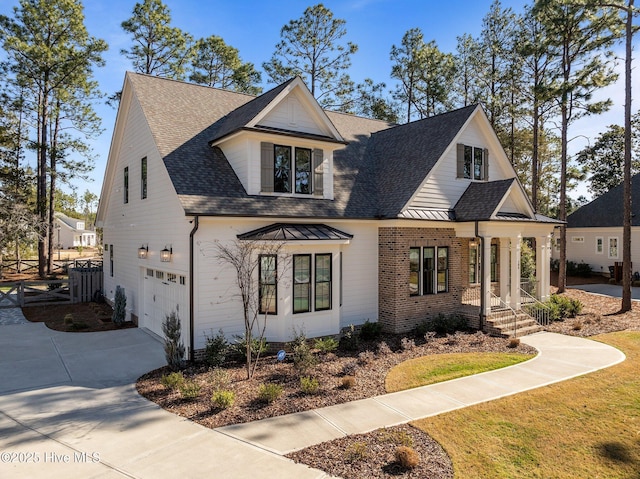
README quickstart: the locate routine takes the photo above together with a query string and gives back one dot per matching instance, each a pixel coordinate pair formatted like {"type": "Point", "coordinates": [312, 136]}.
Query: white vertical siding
{"type": "Point", "coordinates": [442, 189]}
{"type": "Point", "coordinates": [156, 221]}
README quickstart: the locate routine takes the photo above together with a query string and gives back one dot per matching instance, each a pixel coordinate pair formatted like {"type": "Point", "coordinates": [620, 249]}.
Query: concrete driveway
{"type": "Point", "coordinates": [69, 409]}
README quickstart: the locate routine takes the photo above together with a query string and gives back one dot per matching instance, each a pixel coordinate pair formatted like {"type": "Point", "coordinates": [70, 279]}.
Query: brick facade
{"type": "Point", "coordinates": [398, 311]}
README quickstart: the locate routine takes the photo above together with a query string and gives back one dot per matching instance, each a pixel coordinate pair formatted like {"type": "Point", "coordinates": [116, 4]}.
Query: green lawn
{"type": "Point", "coordinates": [587, 427]}
{"type": "Point", "coordinates": [443, 367]}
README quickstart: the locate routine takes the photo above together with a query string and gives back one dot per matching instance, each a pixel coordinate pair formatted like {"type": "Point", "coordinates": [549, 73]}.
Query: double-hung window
{"type": "Point", "coordinates": [282, 169]}
{"type": "Point", "coordinates": [428, 270]}
{"type": "Point", "coordinates": [267, 288]}
{"type": "Point", "coordinates": [473, 162]}
{"type": "Point", "coordinates": [303, 286]}
{"type": "Point", "coordinates": [303, 170]}
{"type": "Point", "coordinates": [288, 169]}
{"type": "Point", "coordinates": [613, 247]}
{"type": "Point", "coordinates": [301, 283]}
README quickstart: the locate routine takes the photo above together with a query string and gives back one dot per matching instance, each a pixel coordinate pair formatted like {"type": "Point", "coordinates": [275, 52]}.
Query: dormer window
{"type": "Point", "coordinates": [289, 169]}
{"type": "Point", "coordinates": [473, 162]}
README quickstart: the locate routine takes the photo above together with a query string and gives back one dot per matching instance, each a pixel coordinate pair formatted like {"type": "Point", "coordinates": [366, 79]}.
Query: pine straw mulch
{"type": "Point", "coordinates": [368, 455]}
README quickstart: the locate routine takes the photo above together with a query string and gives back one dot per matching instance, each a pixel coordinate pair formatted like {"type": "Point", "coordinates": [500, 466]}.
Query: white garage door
{"type": "Point", "coordinates": [164, 292]}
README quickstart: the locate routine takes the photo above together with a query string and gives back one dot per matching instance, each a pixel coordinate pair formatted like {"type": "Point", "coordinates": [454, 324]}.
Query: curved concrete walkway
{"type": "Point", "coordinates": [69, 409]}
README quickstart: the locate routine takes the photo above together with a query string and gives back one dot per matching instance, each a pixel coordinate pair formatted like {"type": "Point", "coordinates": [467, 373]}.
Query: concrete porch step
{"type": "Point", "coordinates": [502, 324]}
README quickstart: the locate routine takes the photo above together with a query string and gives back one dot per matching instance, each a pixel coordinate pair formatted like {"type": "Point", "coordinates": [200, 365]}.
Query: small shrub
{"type": "Point", "coordinates": [348, 382]}
{"type": "Point", "coordinates": [189, 390]}
{"type": "Point", "coordinates": [269, 392]}
{"type": "Point", "coordinates": [565, 307]}
{"type": "Point", "coordinates": [68, 319]}
{"type": "Point", "coordinates": [358, 451]}
{"type": "Point", "coordinates": [370, 331]}
{"type": "Point", "coordinates": [421, 329]}
{"type": "Point", "coordinates": [325, 345]}
{"type": "Point", "coordinates": [366, 357]}
{"type": "Point", "coordinates": [119, 306]}
{"type": "Point", "coordinates": [407, 344]}
{"type": "Point", "coordinates": [303, 358]}
{"type": "Point", "coordinates": [407, 457]}
{"type": "Point", "coordinates": [172, 380]}
{"type": "Point", "coordinates": [383, 349]}
{"type": "Point", "coordinates": [513, 342]}
{"type": "Point", "coordinates": [309, 385]}
{"type": "Point", "coordinates": [216, 348]}
{"type": "Point", "coordinates": [581, 269]}
{"type": "Point", "coordinates": [576, 326]}
{"type": "Point", "coordinates": [349, 340]}
{"type": "Point", "coordinates": [173, 346]}
{"type": "Point", "coordinates": [239, 347]}
{"type": "Point", "coordinates": [443, 324]}
{"type": "Point", "coordinates": [223, 399]}
{"type": "Point", "coordinates": [219, 379]}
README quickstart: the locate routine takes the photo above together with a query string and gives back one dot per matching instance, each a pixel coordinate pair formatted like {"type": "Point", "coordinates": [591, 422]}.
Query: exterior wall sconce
{"type": "Point", "coordinates": [143, 251]}
{"type": "Point", "coordinates": [165, 254]}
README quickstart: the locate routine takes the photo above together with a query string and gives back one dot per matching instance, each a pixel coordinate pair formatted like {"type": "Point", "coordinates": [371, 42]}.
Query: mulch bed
{"type": "Point", "coordinates": [81, 317]}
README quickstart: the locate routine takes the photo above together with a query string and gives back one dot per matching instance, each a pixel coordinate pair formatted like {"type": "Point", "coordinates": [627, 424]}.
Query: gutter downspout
{"type": "Point", "coordinates": [483, 263]}
{"type": "Point", "coordinates": [196, 224]}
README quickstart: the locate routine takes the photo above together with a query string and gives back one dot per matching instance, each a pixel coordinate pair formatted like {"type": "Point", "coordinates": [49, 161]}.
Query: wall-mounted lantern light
{"type": "Point", "coordinates": [143, 251]}
{"type": "Point", "coordinates": [165, 254]}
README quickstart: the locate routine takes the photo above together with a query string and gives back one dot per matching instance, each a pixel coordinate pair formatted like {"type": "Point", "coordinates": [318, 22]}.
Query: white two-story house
{"type": "Point", "coordinates": [379, 222]}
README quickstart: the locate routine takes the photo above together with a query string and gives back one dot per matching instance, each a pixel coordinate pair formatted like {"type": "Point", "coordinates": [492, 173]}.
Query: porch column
{"type": "Point", "coordinates": [543, 258]}
{"type": "Point", "coordinates": [485, 286]}
{"type": "Point", "coordinates": [515, 272]}
{"type": "Point", "coordinates": [504, 269]}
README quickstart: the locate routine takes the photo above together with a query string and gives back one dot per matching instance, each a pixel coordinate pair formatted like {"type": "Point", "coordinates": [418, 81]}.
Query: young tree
{"type": "Point", "coordinates": [581, 36]}
{"type": "Point", "coordinates": [49, 52]}
{"type": "Point", "coordinates": [158, 48]}
{"type": "Point", "coordinates": [258, 267]}
{"type": "Point", "coordinates": [311, 47]}
{"type": "Point", "coordinates": [216, 64]}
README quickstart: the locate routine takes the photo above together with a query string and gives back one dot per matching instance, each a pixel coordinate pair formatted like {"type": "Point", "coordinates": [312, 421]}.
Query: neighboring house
{"type": "Point", "coordinates": [382, 222]}
{"type": "Point", "coordinates": [71, 233]}
{"type": "Point", "coordinates": [594, 231]}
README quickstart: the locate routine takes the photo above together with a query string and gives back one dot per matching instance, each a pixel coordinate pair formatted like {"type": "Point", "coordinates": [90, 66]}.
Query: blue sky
{"type": "Point", "coordinates": [253, 27]}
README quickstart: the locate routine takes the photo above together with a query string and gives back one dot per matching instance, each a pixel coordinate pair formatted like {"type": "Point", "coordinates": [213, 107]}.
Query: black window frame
{"type": "Point", "coordinates": [298, 286]}
{"type": "Point", "coordinates": [126, 184]}
{"type": "Point", "coordinates": [282, 185]}
{"type": "Point", "coordinates": [426, 277]}
{"type": "Point", "coordinates": [328, 282]}
{"type": "Point", "coordinates": [273, 308]}
{"type": "Point", "coordinates": [143, 178]}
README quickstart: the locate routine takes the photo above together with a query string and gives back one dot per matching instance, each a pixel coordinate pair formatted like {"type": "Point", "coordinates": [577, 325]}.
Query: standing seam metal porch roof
{"type": "Point", "coordinates": [295, 231]}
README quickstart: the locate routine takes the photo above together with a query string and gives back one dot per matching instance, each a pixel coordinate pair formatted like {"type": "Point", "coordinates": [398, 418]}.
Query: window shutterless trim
{"type": "Point", "coordinates": [272, 285]}
{"type": "Point", "coordinates": [300, 286]}
{"type": "Point", "coordinates": [319, 283]}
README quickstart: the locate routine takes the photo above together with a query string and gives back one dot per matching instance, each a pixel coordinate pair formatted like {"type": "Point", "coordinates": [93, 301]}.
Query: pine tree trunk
{"type": "Point", "coordinates": [626, 230]}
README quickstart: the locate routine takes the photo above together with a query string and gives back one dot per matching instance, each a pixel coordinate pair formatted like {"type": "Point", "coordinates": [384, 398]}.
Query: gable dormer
{"type": "Point", "coordinates": [281, 143]}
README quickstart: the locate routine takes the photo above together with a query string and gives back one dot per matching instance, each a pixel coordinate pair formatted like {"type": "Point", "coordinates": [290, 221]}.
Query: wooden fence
{"type": "Point", "coordinates": [57, 267]}
{"type": "Point", "coordinates": [81, 287]}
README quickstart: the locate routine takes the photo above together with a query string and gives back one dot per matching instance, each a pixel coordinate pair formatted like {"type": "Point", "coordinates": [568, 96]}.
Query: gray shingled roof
{"type": "Point", "coordinates": [375, 175]}
{"type": "Point", "coordinates": [405, 154]}
{"type": "Point", "coordinates": [480, 200]}
{"type": "Point", "coordinates": [607, 210]}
